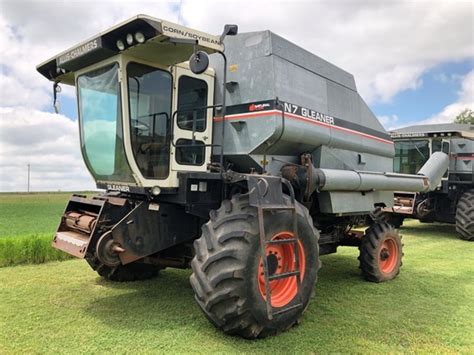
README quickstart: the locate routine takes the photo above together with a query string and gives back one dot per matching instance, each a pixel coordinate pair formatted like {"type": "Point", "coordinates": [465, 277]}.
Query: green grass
{"type": "Point", "coordinates": [29, 215]}
{"type": "Point", "coordinates": [65, 307]}
{"type": "Point", "coordinates": [27, 226]}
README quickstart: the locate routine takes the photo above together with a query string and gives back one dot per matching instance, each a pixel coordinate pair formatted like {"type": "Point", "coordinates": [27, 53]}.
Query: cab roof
{"type": "Point", "coordinates": [174, 42]}
{"type": "Point", "coordinates": [463, 130]}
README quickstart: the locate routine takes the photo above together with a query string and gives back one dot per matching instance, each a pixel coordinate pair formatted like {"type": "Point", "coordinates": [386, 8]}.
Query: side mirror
{"type": "Point", "coordinates": [229, 30]}
{"type": "Point", "coordinates": [199, 62]}
{"type": "Point", "coordinates": [56, 91]}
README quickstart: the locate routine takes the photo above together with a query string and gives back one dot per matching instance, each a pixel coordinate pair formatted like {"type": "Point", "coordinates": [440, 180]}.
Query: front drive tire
{"type": "Point", "coordinates": [465, 216]}
{"type": "Point", "coordinates": [227, 267]}
{"type": "Point", "coordinates": [380, 253]}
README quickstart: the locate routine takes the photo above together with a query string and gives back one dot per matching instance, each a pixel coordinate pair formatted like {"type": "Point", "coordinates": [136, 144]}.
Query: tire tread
{"type": "Point", "coordinates": [465, 216]}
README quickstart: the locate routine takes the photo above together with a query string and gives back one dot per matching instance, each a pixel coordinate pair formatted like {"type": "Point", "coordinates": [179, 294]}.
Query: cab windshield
{"type": "Point", "coordinates": [410, 156]}
{"type": "Point", "coordinates": [100, 122]}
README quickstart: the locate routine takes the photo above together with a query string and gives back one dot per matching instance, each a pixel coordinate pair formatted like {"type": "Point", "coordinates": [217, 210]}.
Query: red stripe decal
{"type": "Point", "coordinates": [462, 158]}
{"type": "Point", "coordinates": [299, 118]}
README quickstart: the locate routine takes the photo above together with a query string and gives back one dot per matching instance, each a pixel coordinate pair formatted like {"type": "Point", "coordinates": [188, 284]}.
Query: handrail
{"type": "Point", "coordinates": [194, 110]}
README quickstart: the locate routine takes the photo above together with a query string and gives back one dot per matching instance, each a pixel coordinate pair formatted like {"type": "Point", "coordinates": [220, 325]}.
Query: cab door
{"type": "Point", "coordinates": [192, 121]}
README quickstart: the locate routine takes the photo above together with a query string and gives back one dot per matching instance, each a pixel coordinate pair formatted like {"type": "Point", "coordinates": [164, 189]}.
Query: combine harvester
{"type": "Point", "coordinates": [245, 166]}
{"type": "Point", "coordinates": [453, 199]}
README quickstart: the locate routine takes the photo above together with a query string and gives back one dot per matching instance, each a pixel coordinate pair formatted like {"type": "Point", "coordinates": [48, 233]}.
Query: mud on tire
{"type": "Point", "coordinates": [380, 253]}
{"type": "Point", "coordinates": [465, 216]}
{"type": "Point", "coordinates": [225, 268]}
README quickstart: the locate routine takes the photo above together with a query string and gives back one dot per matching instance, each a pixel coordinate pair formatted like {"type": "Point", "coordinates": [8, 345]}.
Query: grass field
{"type": "Point", "coordinates": [27, 226]}
{"type": "Point", "coordinates": [64, 307]}
{"type": "Point", "coordinates": [27, 215]}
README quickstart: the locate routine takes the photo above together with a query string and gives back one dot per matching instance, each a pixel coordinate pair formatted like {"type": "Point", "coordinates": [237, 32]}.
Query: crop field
{"type": "Point", "coordinates": [65, 307]}
{"type": "Point", "coordinates": [27, 224]}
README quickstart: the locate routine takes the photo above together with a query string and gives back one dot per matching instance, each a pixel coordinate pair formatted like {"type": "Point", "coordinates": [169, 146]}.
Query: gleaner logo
{"type": "Point", "coordinates": [258, 107]}
{"type": "Point", "coordinates": [308, 113]}
{"type": "Point", "coordinates": [122, 188]}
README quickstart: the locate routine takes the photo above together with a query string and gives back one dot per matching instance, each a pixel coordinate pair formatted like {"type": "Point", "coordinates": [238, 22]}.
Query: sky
{"type": "Point", "coordinates": [413, 63]}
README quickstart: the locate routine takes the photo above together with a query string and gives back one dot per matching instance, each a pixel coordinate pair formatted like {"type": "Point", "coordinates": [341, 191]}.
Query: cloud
{"type": "Point", "coordinates": [465, 100]}
{"type": "Point", "coordinates": [49, 143]}
{"type": "Point", "coordinates": [388, 121]}
{"type": "Point", "coordinates": [32, 31]}
{"type": "Point", "coordinates": [400, 78]}
{"type": "Point", "coordinates": [386, 44]}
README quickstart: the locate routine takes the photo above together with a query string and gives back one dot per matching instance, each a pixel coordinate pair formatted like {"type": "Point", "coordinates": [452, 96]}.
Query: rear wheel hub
{"type": "Point", "coordinates": [388, 256]}
{"type": "Point", "coordinates": [384, 254]}
{"type": "Point", "coordinates": [272, 262]}
{"type": "Point", "coordinates": [281, 258]}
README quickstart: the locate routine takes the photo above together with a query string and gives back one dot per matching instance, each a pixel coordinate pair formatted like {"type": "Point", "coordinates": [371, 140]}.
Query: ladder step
{"type": "Point", "coordinates": [281, 241]}
{"type": "Point", "coordinates": [284, 310]}
{"type": "Point", "coordinates": [283, 275]}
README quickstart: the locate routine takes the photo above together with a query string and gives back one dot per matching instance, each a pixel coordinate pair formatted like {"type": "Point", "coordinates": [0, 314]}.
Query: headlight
{"type": "Point", "coordinates": [139, 37]}
{"type": "Point", "coordinates": [120, 45]}
{"type": "Point", "coordinates": [129, 39]}
{"type": "Point", "coordinates": [155, 190]}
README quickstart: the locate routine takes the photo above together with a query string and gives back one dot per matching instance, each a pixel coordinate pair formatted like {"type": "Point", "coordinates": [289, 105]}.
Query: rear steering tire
{"type": "Point", "coordinates": [465, 216]}
{"type": "Point", "coordinates": [227, 269]}
{"type": "Point", "coordinates": [380, 253]}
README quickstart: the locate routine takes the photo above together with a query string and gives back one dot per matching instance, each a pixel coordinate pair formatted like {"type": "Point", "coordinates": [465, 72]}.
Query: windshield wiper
{"type": "Point", "coordinates": [419, 151]}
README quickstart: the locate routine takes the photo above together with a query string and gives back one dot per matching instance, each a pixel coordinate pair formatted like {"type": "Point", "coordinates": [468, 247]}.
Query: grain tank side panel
{"type": "Point", "coordinates": [348, 202]}
{"type": "Point", "coordinates": [249, 66]}
{"type": "Point", "coordinates": [342, 102]}
{"type": "Point", "coordinates": [295, 54]}
{"type": "Point", "coordinates": [299, 86]}
{"type": "Point", "coordinates": [348, 105]}
{"type": "Point", "coordinates": [333, 158]}
{"type": "Point", "coordinates": [318, 85]}
{"type": "Point", "coordinates": [322, 106]}
{"type": "Point", "coordinates": [299, 136]}
{"type": "Point", "coordinates": [244, 135]}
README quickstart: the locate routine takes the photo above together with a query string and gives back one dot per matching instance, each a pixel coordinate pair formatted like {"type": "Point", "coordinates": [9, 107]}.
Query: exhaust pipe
{"type": "Point", "coordinates": [427, 178]}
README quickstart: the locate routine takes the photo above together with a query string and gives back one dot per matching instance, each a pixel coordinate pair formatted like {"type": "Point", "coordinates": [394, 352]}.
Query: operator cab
{"type": "Point", "coordinates": [144, 115]}
{"type": "Point", "coordinates": [412, 154]}
{"type": "Point", "coordinates": [415, 144]}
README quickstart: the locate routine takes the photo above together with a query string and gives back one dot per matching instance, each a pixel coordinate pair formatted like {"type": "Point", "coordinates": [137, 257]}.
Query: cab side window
{"type": "Point", "coordinates": [435, 145]}
{"type": "Point", "coordinates": [192, 98]}
{"type": "Point", "coordinates": [445, 147]}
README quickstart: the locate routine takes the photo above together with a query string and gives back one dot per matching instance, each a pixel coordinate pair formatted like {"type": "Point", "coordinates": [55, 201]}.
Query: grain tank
{"type": "Point", "coordinates": [242, 156]}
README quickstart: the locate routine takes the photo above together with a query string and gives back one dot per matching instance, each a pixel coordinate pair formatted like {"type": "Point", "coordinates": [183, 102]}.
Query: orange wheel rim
{"type": "Point", "coordinates": [388, 256]}
{"type": "Point", "coordinates": [281, 258]}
